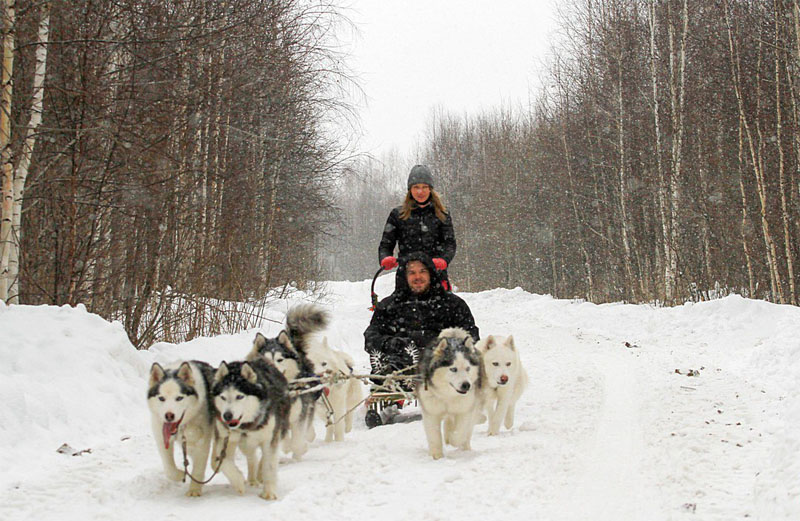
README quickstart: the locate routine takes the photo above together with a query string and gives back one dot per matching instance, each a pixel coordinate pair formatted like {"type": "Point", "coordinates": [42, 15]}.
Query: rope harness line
{"type": "Point", "coordinates": [216, 471]}
{"type": "Point", "coordinates": [390, 386]}
{"type": "Point", "coordinates": [299, 387]}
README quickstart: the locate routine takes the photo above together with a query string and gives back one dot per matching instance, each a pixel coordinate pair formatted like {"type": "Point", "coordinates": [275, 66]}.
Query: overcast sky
{"type": "Point", "coordinates": [462, 55]}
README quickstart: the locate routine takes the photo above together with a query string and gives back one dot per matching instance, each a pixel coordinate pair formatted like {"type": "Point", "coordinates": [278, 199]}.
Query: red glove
{"type": "Point", "coordinates": [440, 264]}
{"type": "Point", "coordinates": [389, 262]}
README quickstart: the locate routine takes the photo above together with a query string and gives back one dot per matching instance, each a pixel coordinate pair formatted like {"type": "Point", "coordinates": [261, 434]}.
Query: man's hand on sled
{"type": "Point", "coordinates": [389, 262]}
{"type": "Point", "coordinates": [440, 263]}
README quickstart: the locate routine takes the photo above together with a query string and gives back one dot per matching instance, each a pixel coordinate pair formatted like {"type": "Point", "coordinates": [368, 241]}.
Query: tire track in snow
{"type": "Point", "coordinates": [611, 481]}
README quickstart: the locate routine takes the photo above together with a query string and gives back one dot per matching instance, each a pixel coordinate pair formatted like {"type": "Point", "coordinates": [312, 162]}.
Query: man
{"type": "Point", "coordinates": [412, 317]}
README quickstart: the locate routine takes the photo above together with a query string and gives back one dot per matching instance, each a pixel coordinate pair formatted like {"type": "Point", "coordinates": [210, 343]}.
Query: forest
{"type": "Point", "coordinates": [167, 164]}
{"type": "Point", "coordinates": [660, 163]}
{"type": "Point", "coordinates": [174, 165]}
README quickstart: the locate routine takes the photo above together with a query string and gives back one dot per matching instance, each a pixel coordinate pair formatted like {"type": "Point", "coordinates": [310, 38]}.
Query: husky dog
{"type": "Point", "coordinates": [288, 353]}
{"type": "Point", "coordinates": [181, 412]}
{"type": "Point", "coordinates": [288, 350]}
{"type": "Point", "coordinates": [279, 352]}
{"type": "Point", "coordinates": [504, 379]}
{"type": "Point", "coordinates": [450, 390]}
{"type": "Point", "coordinates": [254, 410]}
{"type": "Point", "coordinates": [343, 395]}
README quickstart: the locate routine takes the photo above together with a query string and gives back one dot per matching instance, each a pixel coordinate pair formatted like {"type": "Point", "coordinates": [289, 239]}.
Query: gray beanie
{"type": "Point", "coordinates": [420, 174]}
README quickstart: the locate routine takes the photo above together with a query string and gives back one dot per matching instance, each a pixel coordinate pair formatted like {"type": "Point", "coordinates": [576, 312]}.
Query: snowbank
{"type": "Point", "coordinates": [607, 427]}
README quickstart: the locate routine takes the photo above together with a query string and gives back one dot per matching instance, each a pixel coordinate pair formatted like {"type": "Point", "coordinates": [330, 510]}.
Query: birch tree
{"type": "Point", "coordinates": [6, 238]}
{"type": "Point", "coordinates": [9, 268]}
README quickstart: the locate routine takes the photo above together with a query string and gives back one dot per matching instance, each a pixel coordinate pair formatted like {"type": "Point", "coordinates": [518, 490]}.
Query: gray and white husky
{"type": "Point", "coordinates": [287, 351]}
{"type": "Point", "coordinates": [253, 411]}
{"type": "Point", "coordinates": [450, 391]}
{"type": "Point", "coordinates": [181, 412]}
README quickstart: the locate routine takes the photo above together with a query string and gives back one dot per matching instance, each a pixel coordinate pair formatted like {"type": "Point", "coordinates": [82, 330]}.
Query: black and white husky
{"type": "Point", "coordinates": [181, 412]}
{"type": "Point", "coordinates": [253, 411]}
{"type": "Point", "coordinates": [288, 352]}
{"type": "Point", "coordinates": [450, 391]}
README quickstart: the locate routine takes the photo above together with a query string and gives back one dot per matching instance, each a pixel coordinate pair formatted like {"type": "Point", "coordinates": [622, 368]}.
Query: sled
{"type": "Point", "coordinates": [387, 408]}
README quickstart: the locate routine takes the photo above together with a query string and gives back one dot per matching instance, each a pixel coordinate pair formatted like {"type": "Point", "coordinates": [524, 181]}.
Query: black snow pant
{"type": "Point", "coordinates": [403, 359]}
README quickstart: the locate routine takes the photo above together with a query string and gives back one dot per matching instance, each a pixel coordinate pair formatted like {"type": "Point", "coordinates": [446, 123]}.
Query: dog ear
{"type": "Point", "coordinates": [248, 373]}
{"type": "Point", "coordinates": [325, 342]}
{"type": "Point", "coordinates": [440, 348]}
{"type": "Point", "coordinates": [510, 343]}
{"type": "Point", "coordinates": [221, 373]}
{"type": "Point", "coordinates": [259, 341]}
{"type": "Point", "coordinates": [283, 339]}
{"type": "Point", "coordinates": [185, 373]}
{"type": "Point", "coordinates": [490, 342]}
{"type": "Point", "coordinates": [157, 373]}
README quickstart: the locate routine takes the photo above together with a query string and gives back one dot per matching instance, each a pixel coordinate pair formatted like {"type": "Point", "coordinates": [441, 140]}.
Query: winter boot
{"type": "Point", "coordinates": [373, 419]}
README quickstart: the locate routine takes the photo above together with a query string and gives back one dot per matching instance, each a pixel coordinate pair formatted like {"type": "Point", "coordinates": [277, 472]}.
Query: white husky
{"type": "Point", "coordinates": [343, 395]}
{"type": "Point", "coordinates": [450, 390]}
{"type": "Point", "coordinates": [504, 379]}
{"type": "Point", "coordinates": [181, 413]}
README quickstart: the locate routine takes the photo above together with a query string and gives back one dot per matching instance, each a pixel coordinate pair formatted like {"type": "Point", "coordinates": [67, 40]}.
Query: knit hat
{"type": "Point", "coordinates": [420, 174]}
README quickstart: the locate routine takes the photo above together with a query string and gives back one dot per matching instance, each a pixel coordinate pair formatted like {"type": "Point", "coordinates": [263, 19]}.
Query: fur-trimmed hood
{"type": "Point", "coordinates": [402, 282]}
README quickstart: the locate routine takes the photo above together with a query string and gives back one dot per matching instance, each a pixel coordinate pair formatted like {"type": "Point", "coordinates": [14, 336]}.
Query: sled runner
{"type": "Point", "coordinates": [386, 408]}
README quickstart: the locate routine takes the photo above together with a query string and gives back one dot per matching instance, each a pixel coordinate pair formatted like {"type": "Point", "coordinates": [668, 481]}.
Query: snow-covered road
{"type": "Point", "coordinates": [607, 430]}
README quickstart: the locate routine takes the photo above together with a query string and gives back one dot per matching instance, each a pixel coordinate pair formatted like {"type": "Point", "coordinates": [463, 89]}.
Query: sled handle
{"type": "Point", "coordinates": [373, 295]}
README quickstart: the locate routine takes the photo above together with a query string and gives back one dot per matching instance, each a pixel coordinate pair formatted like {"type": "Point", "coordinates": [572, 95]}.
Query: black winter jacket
{"type": "Point", "coordinates": [422, 231]}
{"type": "Point", "coordinates": [417, 317]}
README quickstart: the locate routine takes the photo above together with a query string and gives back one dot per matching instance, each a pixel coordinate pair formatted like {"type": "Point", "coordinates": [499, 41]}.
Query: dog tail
{"type": "Point", "coordinates": [304, 320]}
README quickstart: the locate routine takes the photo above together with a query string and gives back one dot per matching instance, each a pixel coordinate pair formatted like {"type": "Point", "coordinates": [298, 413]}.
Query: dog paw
{"type": "Point", "coordinates": [437, 455]}
{"type": "Point", "coordinates": [298, 450]}
{"type": "Point", "coordinates": [494, 432]}
{"type": "Point", "coordinates": [194, 492]}
{"type": "Point", "coordinates": [175, 474]}
{"type": "Point", "coordinates": [268, 495]}
{"type": "Point", "coordinates": [253, 482]}
{"type": "Point", "coordinates": [238, 486]}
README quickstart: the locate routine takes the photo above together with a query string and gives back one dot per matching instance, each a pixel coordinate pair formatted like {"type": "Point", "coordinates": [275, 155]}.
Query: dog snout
{"type": "Point", "coordinates": [504, 379]}
{"type": "Point", "coordinates": [465, 387]}
{"type": "Point", "coordinates": [227, 416]}
{"type": "Point", "coordinates": [170, 417]}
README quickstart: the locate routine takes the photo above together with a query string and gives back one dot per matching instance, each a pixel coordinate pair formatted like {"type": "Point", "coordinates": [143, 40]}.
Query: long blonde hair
{"type": "Point", "coordinates": [438, 206]}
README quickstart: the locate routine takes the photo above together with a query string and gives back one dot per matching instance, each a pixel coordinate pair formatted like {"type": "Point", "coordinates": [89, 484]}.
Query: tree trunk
{"type": "Point", "coordinates": [625, 228]}
{"type": "Point", "coordinates": [677, 83]}
{"type": "Point", "coordinates": [755, 158]}
{"type": "Point", "coordinates": [21, 173]}
{"type": "Point", "coordinates": [6, 238]}
{"type": "Point", "coordinates": [663, 197]}
{"type": "Point", "coordinates": [745, 218]}
{"type": "Point", "coordinates": [787, 234]}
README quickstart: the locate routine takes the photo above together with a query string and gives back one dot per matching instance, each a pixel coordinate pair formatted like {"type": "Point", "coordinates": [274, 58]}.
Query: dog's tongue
{"type": "Point", "coordinates": [168, 430]}
{"type": "Point", "coordinates": [326, 390]}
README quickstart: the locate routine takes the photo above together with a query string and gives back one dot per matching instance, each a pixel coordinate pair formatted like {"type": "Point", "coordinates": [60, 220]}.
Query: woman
{"type": "Point", "coordinates": [420, 224]}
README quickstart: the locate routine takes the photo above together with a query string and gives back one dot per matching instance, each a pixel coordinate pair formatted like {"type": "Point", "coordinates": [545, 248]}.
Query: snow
{"type": "Point", "coordinates": [607, 429]}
